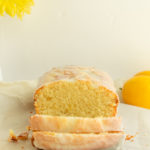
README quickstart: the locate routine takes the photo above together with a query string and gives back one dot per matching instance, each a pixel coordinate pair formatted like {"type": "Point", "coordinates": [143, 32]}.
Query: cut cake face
{"type": "Point", "coordinates": [76, 91]}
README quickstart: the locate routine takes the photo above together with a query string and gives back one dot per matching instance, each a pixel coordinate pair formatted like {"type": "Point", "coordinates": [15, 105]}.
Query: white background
{"type": "Point", "coordinates": [112, 35]}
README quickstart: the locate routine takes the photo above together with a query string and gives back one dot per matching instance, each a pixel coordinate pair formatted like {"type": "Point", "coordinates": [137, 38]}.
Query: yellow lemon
{"type": "Point", "coordinates": [136, 91]}
{"type": "Point", "coordinates": [145, 73]}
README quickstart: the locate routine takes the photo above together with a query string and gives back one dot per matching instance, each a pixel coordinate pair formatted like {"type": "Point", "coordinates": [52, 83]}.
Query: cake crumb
{"type": "Point", "coordinates": [23, 136]}
{"type": "Point", "coordinates": [22, 147]}
{"type": "Point", "coordinates": [12, 136]}
{"type": "Point", "coordinates": [130, 138]}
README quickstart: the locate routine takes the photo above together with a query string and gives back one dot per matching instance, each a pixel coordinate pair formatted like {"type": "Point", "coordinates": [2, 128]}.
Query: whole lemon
{"type": "Point", "coordinates": [145, 73]}
{"type": "Point", "coordinates": [136, 91]}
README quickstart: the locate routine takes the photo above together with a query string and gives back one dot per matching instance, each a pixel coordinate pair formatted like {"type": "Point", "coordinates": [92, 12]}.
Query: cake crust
{"type": "Point", "coordinates": [73, 73]}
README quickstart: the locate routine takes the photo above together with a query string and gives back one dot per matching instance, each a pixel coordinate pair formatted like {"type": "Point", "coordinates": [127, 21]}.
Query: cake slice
{"type": "Point", "coordinates": [76, 91]}
{"type": "Point", "coordinates": [69, 141]}
{"type": "Point", "coordinates": [74, 124]}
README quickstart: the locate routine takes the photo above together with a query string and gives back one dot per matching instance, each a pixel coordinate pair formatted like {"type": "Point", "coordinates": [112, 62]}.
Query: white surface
{"type": "Point", "coordinates": [112, 35]}
{"type": "Point", "coordinates": [16, 104]}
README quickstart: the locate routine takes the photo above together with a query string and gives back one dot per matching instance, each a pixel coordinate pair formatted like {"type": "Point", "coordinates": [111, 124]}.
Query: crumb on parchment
{"type": "Point", "coordinates": [13, 138]}
{"type": "Point", "coordinates": [129, 137]}
{"type": "Point", "coordinates": [23, 136]}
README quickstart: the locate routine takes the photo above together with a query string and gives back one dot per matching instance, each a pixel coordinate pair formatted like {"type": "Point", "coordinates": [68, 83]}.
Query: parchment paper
{"type": "Point", "coordinates": [16, 106]}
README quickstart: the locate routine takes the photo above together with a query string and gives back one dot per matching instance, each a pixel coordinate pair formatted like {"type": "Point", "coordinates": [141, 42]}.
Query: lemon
{"type": "Point", "coordinates": [136, 91]}
{"type": "Point", "coordinates": [145, 73]}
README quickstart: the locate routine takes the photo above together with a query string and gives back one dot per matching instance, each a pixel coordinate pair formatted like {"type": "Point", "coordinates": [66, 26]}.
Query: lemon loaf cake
{"type": "Point", "coordinates": [76, 109]}
{"type": "Point", "coordinates": [77, 92]}
{"type": "Point", "coordinates": [70, 141]}
{"type": "Point", "coordinates": [74, 124]}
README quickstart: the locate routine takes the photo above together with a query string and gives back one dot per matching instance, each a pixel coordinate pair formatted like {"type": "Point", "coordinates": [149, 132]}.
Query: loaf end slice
{"type": "Point", "coordinates": [68, 141]}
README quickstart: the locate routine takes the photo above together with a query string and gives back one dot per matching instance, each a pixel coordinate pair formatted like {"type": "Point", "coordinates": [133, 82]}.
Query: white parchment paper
{"type": "Point", "coordinates": [16, 106]}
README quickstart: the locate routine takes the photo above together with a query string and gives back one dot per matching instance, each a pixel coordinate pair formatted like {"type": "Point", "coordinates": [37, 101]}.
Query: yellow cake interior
{"type": "Point", "coordinates": [78, 98]}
